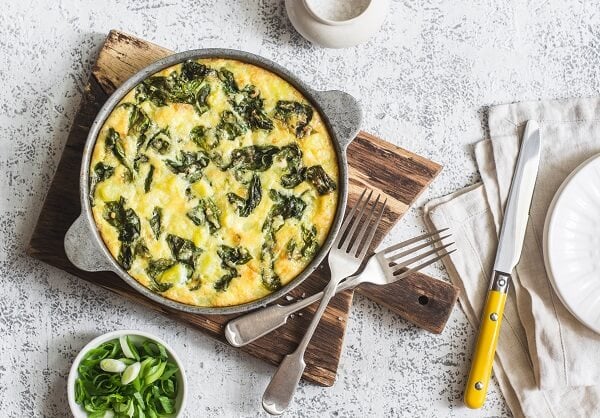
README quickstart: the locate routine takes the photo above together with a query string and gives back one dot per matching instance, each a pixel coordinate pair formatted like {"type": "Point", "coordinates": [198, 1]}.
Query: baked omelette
{"type": "Point", "coordinates": [214, 182]}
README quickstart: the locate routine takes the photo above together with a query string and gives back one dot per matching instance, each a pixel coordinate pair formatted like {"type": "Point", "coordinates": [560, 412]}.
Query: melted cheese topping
{"type": "Point", "coordinates": [175, 195]}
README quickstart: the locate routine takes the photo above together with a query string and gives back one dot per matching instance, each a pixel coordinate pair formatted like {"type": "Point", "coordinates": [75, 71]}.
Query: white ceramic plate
{"type": "Point", "coordinates": [572, 243]}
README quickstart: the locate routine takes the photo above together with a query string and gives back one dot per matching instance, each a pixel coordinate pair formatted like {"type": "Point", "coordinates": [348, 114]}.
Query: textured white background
{"type": "Point", "coordinates": [425, 80]}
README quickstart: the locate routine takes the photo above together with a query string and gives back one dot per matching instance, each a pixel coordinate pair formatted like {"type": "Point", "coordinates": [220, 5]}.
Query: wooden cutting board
{"type": "Point", "coordinates": [400, 175]}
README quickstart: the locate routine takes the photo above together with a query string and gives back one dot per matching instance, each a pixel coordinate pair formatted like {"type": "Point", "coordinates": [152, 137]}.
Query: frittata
{"type": "Point", "coordinates": [214, 182]}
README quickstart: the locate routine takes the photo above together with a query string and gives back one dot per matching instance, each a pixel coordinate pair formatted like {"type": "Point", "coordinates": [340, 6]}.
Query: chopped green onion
{"type": "Point", "coordinates": [130, 373]}
{"type": "Point", "coordinates": [128, 347]}
{"type": "Point", "coordinates": [155, 372]}
{"type": "Point", "coordinates": [112, 366]}
{"type": "Point", "coordinates": [120, 378]}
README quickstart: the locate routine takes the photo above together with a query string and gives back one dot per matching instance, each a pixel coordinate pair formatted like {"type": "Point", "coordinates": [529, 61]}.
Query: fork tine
{"type": "Point", "coordinates": [415, 249]}
{"type": "Point", "coordinates": [412, 241]}
{"type": "Point", "coordinates": [356, 245]}
{"type": "Point", "coordinates": [422, 265]}
{"type": "Point", "coordinates": [418, 257]}
{"type": "Point", "coordinates": [367, 242]}
{"type": "Point", "coordinates": [344, 227]}
{"type": "Point", "coordinates": [348, 239]}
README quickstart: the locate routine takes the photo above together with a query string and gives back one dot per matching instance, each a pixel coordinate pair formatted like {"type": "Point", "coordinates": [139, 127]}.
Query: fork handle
{"type": "Point", "coordinates": [250, 327]}
{"type": "Point", "coordinates": [281, 389]}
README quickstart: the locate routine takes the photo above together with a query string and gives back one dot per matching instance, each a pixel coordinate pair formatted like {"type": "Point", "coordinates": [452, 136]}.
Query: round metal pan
{"type": "Point", "coordinates": [341, 113]}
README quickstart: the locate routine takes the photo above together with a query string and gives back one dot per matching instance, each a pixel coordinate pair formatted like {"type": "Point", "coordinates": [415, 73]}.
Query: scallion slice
{"type": "Point", "coordinates": [130, 373]}
{"type": "Point", "coordinates": [112, 366]}
{"type": "Point", "coordinates": [128, 348]}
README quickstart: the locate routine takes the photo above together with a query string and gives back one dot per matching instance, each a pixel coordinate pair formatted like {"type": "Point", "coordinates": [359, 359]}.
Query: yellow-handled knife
{"type": "Point", "coordinates": [508, 254]}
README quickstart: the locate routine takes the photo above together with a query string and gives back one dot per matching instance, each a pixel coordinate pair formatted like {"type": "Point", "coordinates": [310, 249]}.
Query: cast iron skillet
{"type": "Point", "coordinates": [342, 116]}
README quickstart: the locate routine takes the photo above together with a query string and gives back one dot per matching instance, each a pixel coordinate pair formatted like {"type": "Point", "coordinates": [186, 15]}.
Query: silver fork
{"type": "Point", "coordinates": [384, 267]}
{"type": "Point", "coordinates": [345, 257]}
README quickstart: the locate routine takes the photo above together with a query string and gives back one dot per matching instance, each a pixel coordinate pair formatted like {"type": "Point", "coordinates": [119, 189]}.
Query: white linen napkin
{"type": "Point", "coordinates": [547, 363]}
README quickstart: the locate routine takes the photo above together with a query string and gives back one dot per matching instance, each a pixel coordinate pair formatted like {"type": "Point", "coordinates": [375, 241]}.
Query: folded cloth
{"type": "Point", "coordinates": [547, 362]}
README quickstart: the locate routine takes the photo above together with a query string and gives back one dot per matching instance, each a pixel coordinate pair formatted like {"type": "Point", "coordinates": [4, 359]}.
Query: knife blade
{"type": "Point", "coordinates": [514, 224]}
{"type": "Point", "coordinates": [508, 254]}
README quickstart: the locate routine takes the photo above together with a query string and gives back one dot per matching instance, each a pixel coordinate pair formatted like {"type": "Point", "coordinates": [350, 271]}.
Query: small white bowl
{"type": "Point", "coordinates": [79, 412]}
{"type": "Point", "coordinates": [336, 33]}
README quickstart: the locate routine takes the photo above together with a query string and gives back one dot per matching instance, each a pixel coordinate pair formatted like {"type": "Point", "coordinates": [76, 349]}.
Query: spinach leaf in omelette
{"type": "Point", "coordinates": [206, 212]}
{"type": "Point", "coordinates": [192, 70]}
{"type": "Point", "coordinates": [247, 160]}
{"type": "Point", "coordinates": [101, 172]}
{"type": "Point", "coordinates": [153, 89]}
{"type": "Point", "coordinates": [317, 176]}
{"type": "Point", "coordinates": [310, 245]}
{"type": "Point", "coordinates": [230, 127]}
{"type": "Point", "coordinates": [286, 205]}
{"type": "Point", "coordinates": [194, 283]}
{"type": "Point", "coordinates": [223, 283]}
{"type": "Point", "coordinates": [141, 249]}
{"type": "Point", "coordinates": [253, 157]}
{"type": "Point", "coordinates": [231, 257]}
{"type": "Point", "coordinates": [246, 102]}
{"type": "Point", "coordinates": [269, 278]}
{"type": "Point", "coordinates": [229, 84]}
{"type": "Point", "coordinates": [127, 224]}
{"type": "Point", "coordinates": [189, 165]}
{"type": "Point", "coordinates": [155, 221]}
{"type": "Point", "coordinates": [184, 251]}
{"type": "Point", "coordinates": [139, 160]}
{"type": "Point", "coordinates": [200, 136]}
{"type": "Point", "coordinates": [294, 173]}
{"type": "Point", "coordinates": [185, 87]}
{"type": "Point", "coordinates": [160, 141]}
{"type": "Point", "coordinates": [148, 181]}
{"type": "Point", "coordinates": [200, 102]}
{"type": "Point", "coordinates": [114, 144]}
{"type": "Point", "coordinates": [250, 106]}
{"type": "Point", "coordinates": [295, 115]}
{"type": "Point", "coordinates": [246, 206]}
{"type": "Point", "coordinates": [138, 122]}
{"type": "Point", "coordinates": [155, 269]}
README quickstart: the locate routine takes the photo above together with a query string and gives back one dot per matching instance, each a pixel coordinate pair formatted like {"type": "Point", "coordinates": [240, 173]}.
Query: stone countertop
{"type": "Point", "coordinates": [425, 80]}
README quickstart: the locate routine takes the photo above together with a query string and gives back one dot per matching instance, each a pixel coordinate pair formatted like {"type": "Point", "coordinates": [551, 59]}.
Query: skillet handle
{"type": "Point", "coordinates": [344, 113]}
{"type": "Point", "coordinates": [81, 248]}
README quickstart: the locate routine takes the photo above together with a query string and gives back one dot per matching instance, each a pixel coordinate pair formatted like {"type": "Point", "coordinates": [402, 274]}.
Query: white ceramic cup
{"type": "Point", "coordinates": [79, 412]}
{"type": "Point", "coordinates": [329, 33]}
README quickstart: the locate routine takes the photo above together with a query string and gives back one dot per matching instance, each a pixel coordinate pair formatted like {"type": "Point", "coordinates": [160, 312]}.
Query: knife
{"type": "Point", "coordinates": [508, 254]}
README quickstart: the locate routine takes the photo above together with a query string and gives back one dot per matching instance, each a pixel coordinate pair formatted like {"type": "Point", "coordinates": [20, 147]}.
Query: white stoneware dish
{"type": "Point", "coordinates": [572, 243]}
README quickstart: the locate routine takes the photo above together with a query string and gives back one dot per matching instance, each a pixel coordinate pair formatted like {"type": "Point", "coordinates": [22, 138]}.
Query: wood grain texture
{"type": "Point", "coordinates": [418, 298]}
{"type": "Point", "coordinates": [397, 173]}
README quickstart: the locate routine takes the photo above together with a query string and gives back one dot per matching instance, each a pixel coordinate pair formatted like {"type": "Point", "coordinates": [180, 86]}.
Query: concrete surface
{"type": "Point", "coordinates": [425, 81]}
